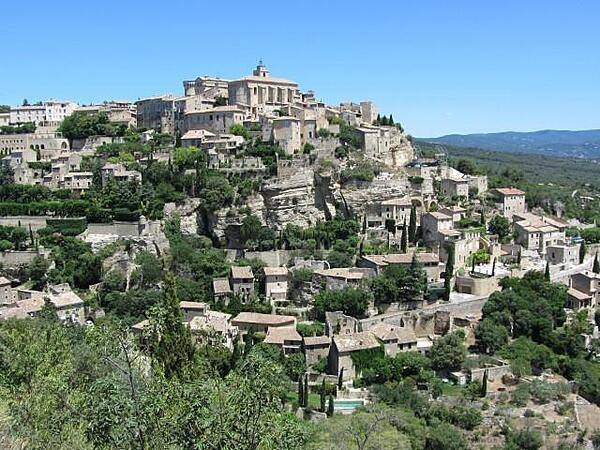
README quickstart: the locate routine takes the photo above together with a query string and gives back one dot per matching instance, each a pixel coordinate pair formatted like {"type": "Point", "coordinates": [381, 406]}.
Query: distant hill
{"type": "Point", "coordinates": [579, 144]}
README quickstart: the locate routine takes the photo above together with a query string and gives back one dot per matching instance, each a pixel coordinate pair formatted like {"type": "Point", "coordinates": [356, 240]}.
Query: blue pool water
{"type": "Point", "coordinates": [347, 405]}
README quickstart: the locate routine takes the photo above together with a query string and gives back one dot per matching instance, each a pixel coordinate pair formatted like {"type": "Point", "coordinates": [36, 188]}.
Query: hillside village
{"type": "Point", "coordinates": [275, 220]}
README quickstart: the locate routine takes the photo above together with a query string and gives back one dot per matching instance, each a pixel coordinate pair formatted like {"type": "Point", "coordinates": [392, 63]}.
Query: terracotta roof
{"type": "Point", "coordinates": [221, 286]}
{"type": "Point", "coordinates": [439, 216]}
{"type": "Point", "coordinates": [282, 271]}
{"type": "Point", "coordinates": [278, 335]}
{"type": "Point", "coordinates": [578, 294]}
{"type": "Point", "coordinates": [263, 319]}
{"type": "Point", "coordinates": [510, 191]}
{"type": "Point", "coordinates": [241, 272]}
{"type": "Point", "coordinates": [387, 332]}
{"type": "Point", "coordinates": [317, 340]}
{"type": "Point", "coordinates": [341, 272]}
{"type": "Point", "coordinates": [355, 341]}
{"type": "Point", "coordinates": [193, 305]}
{"type": "Point", "coordinates": [215, 320]}
{"type": "Point", "coordinates": [398, 201]}
{"type": "Point", "coordinates": [66, 299]}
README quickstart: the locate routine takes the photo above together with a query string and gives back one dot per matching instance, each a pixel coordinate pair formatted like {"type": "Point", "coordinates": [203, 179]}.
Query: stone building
{"type": "Point", "coordinates": [207, 87]}
{"type": "Point", "coordinates": [538, 232]}
{"type": "Point", "coordinates": [118, 172]}
{"type": "Point", "coordinates": [120, 112]}
{"type": "Point", "coordinates": [512, 201]}
{"type": "Point", "coordinates": [251, 322]}
{"type": "Point", "coordinates": [159, 113]}
{"type": "Point", "coordinates": [455, 187]}
{"type": "Point", "coordinates": [437, 227]}
{"type": "Point", "coordinates": [395, 338]}
{"type": "Point", "coordinates": [342, 347]}
{"type": "Point", "coordinates": [213, 328]}
{"type": "Point", "coordinates": [50, 113]}
{"type": "Point", "coordinates": [567, 255]}
{"type": "Point", "coordinates": [218, 120]}
{"type": "Point", "coordinates": [276, 283]}
{"type": "Point", "coordinates": [287, 133]}
{"type": "Point", "coordinates": [339, 278]}
{"type": "Point", "coordinates": [261, 93]}
{"type": "Point", "coordinates": [241, 279]}
{"type": "Point", "coordinates": [286, 338]}
{"type": "Point", "coordinates": [430, 262]}
{"type": "Point", "coordinates": [39, 142]}
{"type": "Point", "coordinates": [386, 144]}
{"type": "Point", "coordinates": [316, 348]}
{"type": "Point", "coordinates": [587, 283]}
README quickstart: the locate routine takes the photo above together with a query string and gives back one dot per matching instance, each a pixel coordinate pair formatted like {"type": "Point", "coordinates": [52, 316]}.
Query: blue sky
{"type": "Point", "coordinates": [439, 66]}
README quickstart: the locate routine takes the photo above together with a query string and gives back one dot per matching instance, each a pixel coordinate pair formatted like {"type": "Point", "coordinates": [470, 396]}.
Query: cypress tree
{"type": "Point", "coordinates": [305, 389]}
{"type": "Point", "coordinates": [473, 264]}
{"type": "Point", "coordinates": [494, 267]}
{"type": "Point", "coordinates": [340, 378]}
{"type": "Point", "coordinates": [449, 273]}
{"type": "Point", "coordinates": [547, 272]}
{"type": "Point", "coordinates": [391, 121]}
{"type": "Point", "coordinates": [412, 225]}
{"type": "Point", "coordinates": [322, 409]}
{"type": "Point", "coordinates": [596, 268]}
{"type": "Point", "coordinates": [404, 238]}
{"type": "Point", "coordinates": [300, 393]}
{"type": "Point", "coordinates": [330, 407]}
{"type": "Point", "coordinates": [172, 347]}
{"type": "Point", "coordinates": [484, 384]}
{"type": "Point", "coordinates": [519, 257]}
{"type": "Point", "coordinates": [31, 236]}
{"type": "Point", "coordinates": [482, 218]}
{"type": "Point", "coordinates": [378, 120]}
{"type": "Point", "coordinates": [582, 252]}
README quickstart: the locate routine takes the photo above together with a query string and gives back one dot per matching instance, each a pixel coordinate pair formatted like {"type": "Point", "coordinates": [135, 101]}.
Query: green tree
{"type": "Point", "coordinates": [596, 266]}
{"type": "Point", "coordinates": [490, 336]}
{"type": "Point", "coordinates": [172, 348]}
{"type": "Point", "coordinates": [404, 239]}
{"type": "Point", "coordinates": [444, 436]}
{"type": "Point", "coordinates": [582, 252]}
{"type": "Point", "coordinates": [448, 352]}
{"type": "Point", "coordinates": [547, 271]}
{"type": "Point", "coordinates": [449, 272]}
{"type": "Point", "coordinates": [412, 225]}
{"type": "Point", "coordinates": [500, 226]}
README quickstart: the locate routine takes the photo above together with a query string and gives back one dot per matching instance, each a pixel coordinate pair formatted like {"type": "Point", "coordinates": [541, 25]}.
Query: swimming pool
{"type": "Point", "coordinates": [347, 404]}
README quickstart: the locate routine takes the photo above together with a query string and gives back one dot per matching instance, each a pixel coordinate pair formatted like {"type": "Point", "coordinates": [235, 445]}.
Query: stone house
{"type": "Point", "coordinates": [456, 212]}
{"type": "Point", "coordinates": [221, 289]}
{"type": "Point", "coordinates": [316, 348]}
{"type": "Point", "coordinates": [193, 309]}
{"type": "Point", "coordinates": [436, 226]}
{"type": "Point", "coordinates": [430, 261]}
{"type": "Point", "coordinates": [395, 339]}
{"type": "Point", "coordinates": [342, 348]}
{"type": "Point", "coordinates": [538, 232]}
{"type": "Point", "coordinates": [455, 187]}
{"type": "Point", "coordinates": [339, 278]}
{"type": "Point", "coordinates": [286, 338]}
{"type": "Point", "coordinates": [213, 328]}
{"type": "Point", "coordinates": [217, 120]}
{"type": "Point", "coordinates": [476, 285]}
{"type": "Point", "coordinates": [6, 296]}
{"type": "Point", "coordinates": [276, 282]}
{"type": "Point", "coordinates": [397, 209]}
{"type": "Point", "coordinates": [563, 254]}
{"type": "Point", "coordinates": [586, 283]}
{"type": "Point", "coordinates": [250, 322]}
{"type": "Point", "coordinates": [118, 172]}
{"type": "Point", "coordinates": [287, 133]}
{"type": "Point", "coordinates": [241, 280]}
{"type": "Point", "coordinates": [512, 201]}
